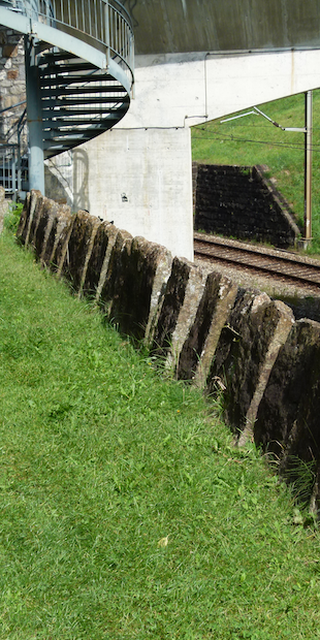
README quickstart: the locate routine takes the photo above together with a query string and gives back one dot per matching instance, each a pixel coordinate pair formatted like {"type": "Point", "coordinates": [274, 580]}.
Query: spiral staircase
{"type": "Point", "coordinates": [79, 71]}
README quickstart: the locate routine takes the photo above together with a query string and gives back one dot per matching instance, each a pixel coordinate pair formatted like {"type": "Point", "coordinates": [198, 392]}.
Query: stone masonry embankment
{"type": "Point", "coordinates": [241, 202]}
{"type": "Point", "coordinates": [231, 341]}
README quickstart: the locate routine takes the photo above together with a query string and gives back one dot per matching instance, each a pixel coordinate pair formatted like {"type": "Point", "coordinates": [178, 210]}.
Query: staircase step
{"type": "Point", "coordinates": [47, 93]}
{"type": "Point", "coordinates": [65, 81]}
{"type": "Point", "coordinates": [79, 102]}
{"type": "Point", "coordinates": [46, 69]}
{"type": "Point", "coordinates": [62, 114]}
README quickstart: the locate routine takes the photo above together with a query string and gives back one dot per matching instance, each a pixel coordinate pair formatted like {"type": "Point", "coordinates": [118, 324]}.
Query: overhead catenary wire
{"type": "Point", "coordinates": [232, 137]}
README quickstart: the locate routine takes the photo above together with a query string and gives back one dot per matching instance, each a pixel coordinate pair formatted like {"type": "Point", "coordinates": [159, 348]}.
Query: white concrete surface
{"type": "Point", "coordinates": [177, 90]}
{"type": "Point", "coordinates": [139, 174]}
{"type": "Point", "coordinates": [142, 181]}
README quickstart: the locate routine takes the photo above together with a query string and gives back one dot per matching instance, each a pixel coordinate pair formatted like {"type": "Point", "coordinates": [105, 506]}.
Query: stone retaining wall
{"type": "Point", "coordinates": [12, 78]}
{"type": "Point", "coordinates": [240, 202]}
{"type": "Point", "coordinates": [233, 342]}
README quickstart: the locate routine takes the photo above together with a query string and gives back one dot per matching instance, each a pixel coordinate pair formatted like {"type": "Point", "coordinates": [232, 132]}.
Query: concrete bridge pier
{"type": "Point", "coordinates": [140, 178]}
{"type": "Point", "coordinates": [139, 174]}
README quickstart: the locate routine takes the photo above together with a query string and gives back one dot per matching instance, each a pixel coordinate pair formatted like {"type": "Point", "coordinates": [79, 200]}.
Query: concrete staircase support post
{"type": "Point", "coordinates": [34, 118]}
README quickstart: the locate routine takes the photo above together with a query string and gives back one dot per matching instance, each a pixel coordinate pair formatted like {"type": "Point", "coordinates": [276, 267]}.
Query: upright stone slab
{"type": "Point", "coordinates": [200, 345]}
{"type": "Point", "coordinates": [288, 419]}
{"type": "Point", "coordinates": [59, 215]}
{"type": "Point", "coordinates": [23, 230]}
{"type": "Point", "coordinates": [181, 300]}
{"type": "Point", "coordinates": [35, 220]}
{"type": "Point", "coordinates": [60, 246]}
{"type": "Point", "coordinates": [3, 207]}
{"type": "Point", "coordinates": [46, 211]}
{"type": "Point", "coordinates": [114, 273]}
{"type": "Point", "coordinates": [247, 349]}
{"type": "Point", "coordinates": [98, 262]}
{"type": "Point", "coordinates": [134, 294]}
{"type": "Point", "coordinates": [79, 243]}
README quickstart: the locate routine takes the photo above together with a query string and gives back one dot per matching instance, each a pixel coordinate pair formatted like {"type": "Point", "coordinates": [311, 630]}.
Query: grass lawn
{"type": "Point", "coordinates": [126, 513]}
{"type": "Point", "coordinates": [253, 140]}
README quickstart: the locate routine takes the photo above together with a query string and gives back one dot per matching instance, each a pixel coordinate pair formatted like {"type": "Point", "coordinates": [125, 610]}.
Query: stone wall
{"type": "Point", "coordinates": [12, 78]}
{"type": "Point", "coordinates": [234, 343]}
{"type": "Point", "coordinates": [240, 202]}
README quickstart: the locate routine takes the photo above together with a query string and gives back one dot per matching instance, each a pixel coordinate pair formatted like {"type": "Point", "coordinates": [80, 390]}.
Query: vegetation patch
{"type": "Point", "coordinates": [126, 510]}
{"type": "Point", "coordinates": [253, 140]}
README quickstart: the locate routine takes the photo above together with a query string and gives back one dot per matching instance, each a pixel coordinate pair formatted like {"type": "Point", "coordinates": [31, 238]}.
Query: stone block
{"type": "Point", "coordinates": [180, 303]}
{"type": "Point", "coordinates": [47, 212]}
{"type": "Point", "coordinates": [79, 244]}
{"type": "Point", "coordinates": [12, 74]}
{"type": "Point", "coordinates": [35, 220]}
{"type": "Point", "coordinates": [288, 422]}
{"type": "Point", "coordinates": [113, 275]}
{"type": "Point", "coordinates": [136, 286]}
{"type": "Point", "coordinates": [58, 239]}
{"type": "Point", "coordinates": [3, 207]}
{"type": "Point", "coordinates": [10, 51]}
{"type": "Point", "coordinates": [247, 349]}
{"type": "Point", "coordinates": [199, 347]}
{"type": "Point", "coordinates": [98, 262]}
{"type": "Point", "coordinates": [23, 230]}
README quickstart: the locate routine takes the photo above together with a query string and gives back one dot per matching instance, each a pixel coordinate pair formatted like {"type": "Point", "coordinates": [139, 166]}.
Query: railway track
{"type": "Point", "coordinates": [277, 264]}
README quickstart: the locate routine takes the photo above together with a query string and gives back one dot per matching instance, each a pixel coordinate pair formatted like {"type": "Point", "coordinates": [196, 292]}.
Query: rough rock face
{"type": "Point", "coordinates": [288, 418]}
{"type": "Point", "coordinates": [199, 347]}
{"type": "Point", "coordinates": [114, 273]}
{"type": "Point", "coordinates": [246, 351]}
{"type": "Point", "coordinates": [46, 212]}
{"type": "Point", "coordinates": [3, 207]}
{"type": "Point", "coordinates": [23, 230]}
{"type": "Point", "coordinates": [133, 286]}
{"type": "Point", "coordinates": [240, 202]}
{"type": "Point", "coordinates": [98, 262]}
{"type": "Point", "coordinates": [183, 291]}
{"type": "Point", "coordinates": [57, 222]}
{"type": "Point", "coordinates": [74, 263]}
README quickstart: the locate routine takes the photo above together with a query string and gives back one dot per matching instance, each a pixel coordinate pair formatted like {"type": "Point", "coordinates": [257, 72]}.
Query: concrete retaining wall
{"type": "Point", "coordinates": [233, 342]}
{"type": "Point", "coordinates": [241, 202]}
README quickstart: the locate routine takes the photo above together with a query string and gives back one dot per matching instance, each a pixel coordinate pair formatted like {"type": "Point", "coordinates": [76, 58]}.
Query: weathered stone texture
{"type": "Point", "coordinates": [58, 217]}
{"type": "Point", "coordinates": [288, 418]}
{"type": "Point", "coordinates": [79, 241]}
{"type": "Point", "coordinates": [181, 299]}
{"type": "Point", "coordinates": [133, 287]}
{"type": "Point", "coordinates": [24, 227]}
{"type": "Point", "coordinates": [60, 247]}
{"type": "Point", "coordinates": [103, 242]}
{"type": "Point", "coordinates": [3, 207]}
{"type": "Point", "coordinates": [12, 77]}
{"type": "Point", "coordinates": [245, 353]}
{"type": "Point", "coordinates": [114, 273]}
{"type": "Point", "coordinates": [241, 202]}
{"type": "Point", "coordinates": [199, 347]}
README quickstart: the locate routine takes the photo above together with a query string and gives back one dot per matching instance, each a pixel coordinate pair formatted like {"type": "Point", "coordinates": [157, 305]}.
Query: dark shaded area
{"type": "Point", "coordinates": [172, 303]}
{"type": "Point", "coordinates": [173, 26]}
{"type": "Point", "coordinates": [192, 348]}
{"type": "Point", "coordinates": [289, 413]}
{"type": "Point", "coordinates": [239, 202]}
{"type": "Point", "coordinates": [95, 263]}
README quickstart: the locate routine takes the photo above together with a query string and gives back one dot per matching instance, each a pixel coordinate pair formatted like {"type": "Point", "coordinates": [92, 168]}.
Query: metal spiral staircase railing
{"type": "Point", "coordinates": [79, 71]}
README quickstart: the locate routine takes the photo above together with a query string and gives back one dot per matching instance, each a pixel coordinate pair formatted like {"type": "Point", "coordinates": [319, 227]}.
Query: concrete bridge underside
{"type": "Point", "coordinates": [196, 60]}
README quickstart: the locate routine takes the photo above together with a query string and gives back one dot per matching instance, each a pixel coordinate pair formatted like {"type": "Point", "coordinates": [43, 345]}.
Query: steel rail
{"type": "Point", "coordinates": [278, 264]}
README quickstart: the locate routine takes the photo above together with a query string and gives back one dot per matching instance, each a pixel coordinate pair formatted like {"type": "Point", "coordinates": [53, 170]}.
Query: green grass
{"type": "Point", "coordinates": [126, 513]}
{"type": "Point", "coordinates": [253, 140]}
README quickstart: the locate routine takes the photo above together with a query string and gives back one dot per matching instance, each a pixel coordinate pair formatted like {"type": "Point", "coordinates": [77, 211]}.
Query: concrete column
{"type": "Point", "coordinates": [34, 118]}
{"type": "Point", "coordinates": [141, 179]}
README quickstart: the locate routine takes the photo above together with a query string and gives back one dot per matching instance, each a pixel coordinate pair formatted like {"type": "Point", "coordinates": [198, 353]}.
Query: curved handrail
{"type": "Point", "coordinates": [101, 23]}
